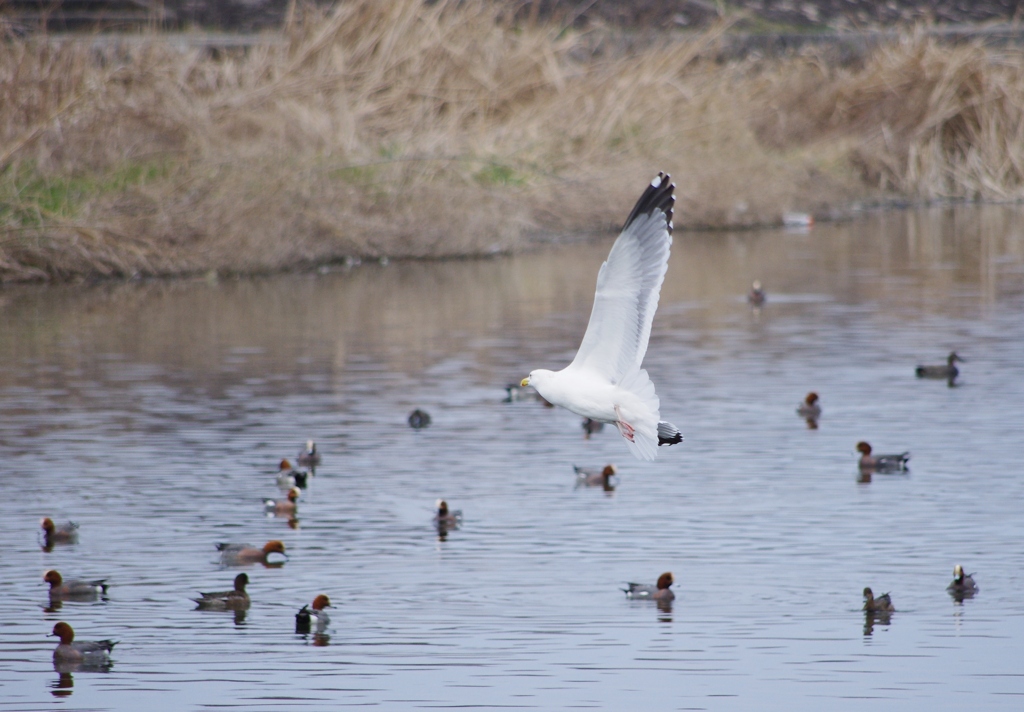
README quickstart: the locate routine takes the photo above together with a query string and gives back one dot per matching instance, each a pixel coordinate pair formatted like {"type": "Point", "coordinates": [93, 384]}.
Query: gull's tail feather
{"type": "Point", "coordinates": [644, 444]}
{"type": "Point", "coordinates": [668, 434]}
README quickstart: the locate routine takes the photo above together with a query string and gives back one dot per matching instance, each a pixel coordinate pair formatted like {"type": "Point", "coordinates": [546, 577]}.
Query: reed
{"type": "Point", "coordinates": [395, 128]}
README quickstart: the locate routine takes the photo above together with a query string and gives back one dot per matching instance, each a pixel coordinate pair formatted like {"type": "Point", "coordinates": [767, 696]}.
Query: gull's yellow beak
{"type": "Point", "coordinates": [525, 382]}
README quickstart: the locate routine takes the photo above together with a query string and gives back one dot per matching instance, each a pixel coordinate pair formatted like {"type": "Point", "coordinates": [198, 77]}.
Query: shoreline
{"type": "Point", "coordinates": [391, 130]}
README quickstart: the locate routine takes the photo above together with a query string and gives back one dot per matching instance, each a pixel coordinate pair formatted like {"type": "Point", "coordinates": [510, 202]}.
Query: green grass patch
{"type": "Point", "coordinates": [29, 198]}
{"type": "Point", "coordinates": [355, 175]}
{"type": "Point", "coordinates": [499, 174]}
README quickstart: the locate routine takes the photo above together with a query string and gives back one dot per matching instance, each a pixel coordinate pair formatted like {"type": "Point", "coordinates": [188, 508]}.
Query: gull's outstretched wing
{"type": "Point", "coordinates": [628, 287]}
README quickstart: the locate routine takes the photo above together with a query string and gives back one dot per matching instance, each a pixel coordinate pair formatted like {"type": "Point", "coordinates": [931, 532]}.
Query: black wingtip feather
{"type": "Point", "coordinates": [660, 195]}
{"type": "Point", "coordinates": [668, 434]}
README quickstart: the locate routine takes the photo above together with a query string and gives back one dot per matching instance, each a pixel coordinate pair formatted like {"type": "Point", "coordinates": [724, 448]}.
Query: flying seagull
{"type": "Point", "coordinates": [605, 382]}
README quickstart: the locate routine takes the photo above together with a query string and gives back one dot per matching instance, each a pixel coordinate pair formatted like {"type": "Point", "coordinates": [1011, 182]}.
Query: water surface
{"type": "Point", "coordinates": [155, 414]}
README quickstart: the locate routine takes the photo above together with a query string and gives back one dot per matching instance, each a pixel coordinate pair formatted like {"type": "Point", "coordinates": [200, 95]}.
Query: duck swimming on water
{"type": "Point", "coordinates": [313, 618]}
{"type": "Point", "coordinates": [948, 372]}
{"type": "Point", "coordinates": [882, 604]}
{"type": "Point", "coordinates": [810, 408]}
{"type": "Point", "coordinates": [235, 600]}
{"type": "Point", "coordinates": [963, 585]}
{"type": "Point", "coordinates": [661, 591]}
{"type": "Point", "coordinates": [83, 652]}
{"type": "Point", "coordinates": [881, 463]}
{"type": "Point", "coordinates": [309, 457]}
{"type": "Point", "coordinates": [242, 554]}
{"type": "Point", "coordinates": [594, 478]}
{"type": "Point", "coordinates": [74, 590]}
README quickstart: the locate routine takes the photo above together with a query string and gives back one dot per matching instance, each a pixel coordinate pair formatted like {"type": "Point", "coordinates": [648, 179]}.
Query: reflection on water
{"type": "Point", "coordinates": [873, 618]}
{"type": "Point", "coordinates": [156, 414]}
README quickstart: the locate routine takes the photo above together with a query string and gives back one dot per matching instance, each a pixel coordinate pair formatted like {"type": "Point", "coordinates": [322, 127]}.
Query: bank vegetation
{"type": "Point", "coordinates": [395, 128]}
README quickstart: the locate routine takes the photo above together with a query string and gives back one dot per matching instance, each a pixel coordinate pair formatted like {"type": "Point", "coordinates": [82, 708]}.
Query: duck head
{"type": "Point", "coordinates": [65, 632]}
{"type": "Point", "coordinates": [273, 546]}
{"type": "Point", "coordinates": [665, 580]}
{"type": "Point", "coordinates": [241, 581]}
{"type": "Point", "coordinates": [321, 602]}
{"type": "Point", "coordinates": [864, 449]}
{"type": "Point", "coordinates": [53, 578]}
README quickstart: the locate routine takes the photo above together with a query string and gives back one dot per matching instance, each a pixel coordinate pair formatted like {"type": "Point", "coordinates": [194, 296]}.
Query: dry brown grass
{"type": "Point", "coordinates": [393, 128]}
{"type": "Point", "coordinates": [921, 118]}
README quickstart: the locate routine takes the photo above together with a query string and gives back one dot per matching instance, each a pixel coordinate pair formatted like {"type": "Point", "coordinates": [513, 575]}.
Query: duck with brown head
{"type": "Point", "coordinates": [810, 408]}
{"type": "Point", "coordinates": [54, 534]}
{"type": "Point", "coordinates": [73, 590]}
{"type": "Point", "coordinates": [83, 652]}
{"type": "Point", "coordinates": [586, 477]}
{"type": "Point", "coordinates": [244, 554]}
{"type": "Point", "coordinates": [286, 507]}
{"type": "Point", "coordinates": [313, 619]}
{"type": "Point", "coordinates": [661, 591]}
{"type": "Point", "coordinates": [288, 476]}
{"type": "Point", "coordinates": [881, 463]}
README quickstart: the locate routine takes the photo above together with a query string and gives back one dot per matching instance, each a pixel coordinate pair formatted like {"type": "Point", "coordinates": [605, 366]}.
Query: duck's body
{"type": "Point", "coordinates": [881, 463]}
{"type": "Point", "coordinates": [419, 419]}
{"type": "Point", "coordinates": [283, 507]}
{"type": "Point", "coordinates": [62, 534]}
{"type": "Point", "coordinates": [313, 619]}
{"type": "Point", "coordinates": [74, 590]}
{"type": "Point", "coordinates": [756, 297]}
{"type": "Point", "coordinates": [590, 427]}
{"type": "Point", "coordinates": [309, 457]}
{"type": "Point", "coordinates": [810, 408]}
{"type": "Point", "coordinates": [234, 600]}
{"type": "Point", "coordinates": [447, 518]}
{"type": "Point", "coordinates": [87, 652]}
{"type": "Point", "coordinates": [594, 478]}
{"type": "Point", "coordinates": [882, 604]}
{"type": "Point", "coordinates": [288, 476]}
{"type": "Point", "coordinates": [946, 372]}
{"type": "Point", "coordinates": [661, 591]}
{"type": "Point", "coordinates": [243, 554]}
{"type": "Point", "coordinates": [962, 584]}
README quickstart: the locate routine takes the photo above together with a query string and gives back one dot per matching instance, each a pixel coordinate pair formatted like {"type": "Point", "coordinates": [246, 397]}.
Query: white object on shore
{"type": "Point", "coordinates": [805, 220]}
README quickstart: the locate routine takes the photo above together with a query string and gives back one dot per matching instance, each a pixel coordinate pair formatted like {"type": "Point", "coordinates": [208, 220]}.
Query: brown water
{"type": "Point", "coordinates": [154, 415]}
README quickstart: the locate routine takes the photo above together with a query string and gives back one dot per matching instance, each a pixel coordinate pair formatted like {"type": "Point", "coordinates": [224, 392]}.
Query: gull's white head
{"type": "Point", "coordinates": [538, 378]}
